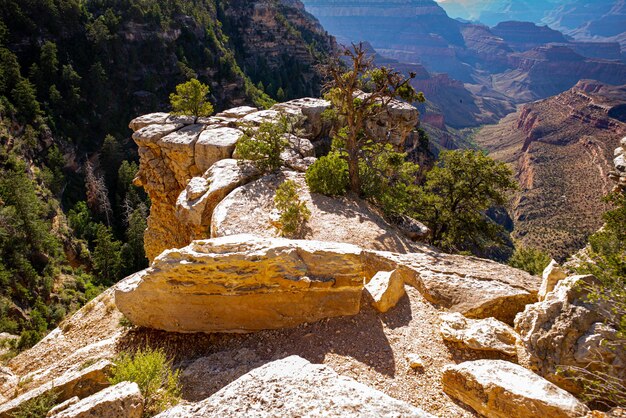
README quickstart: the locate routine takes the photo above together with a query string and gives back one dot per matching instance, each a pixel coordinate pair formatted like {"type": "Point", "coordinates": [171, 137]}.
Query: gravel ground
{"type": "Point", "coordinates": [372, 348]}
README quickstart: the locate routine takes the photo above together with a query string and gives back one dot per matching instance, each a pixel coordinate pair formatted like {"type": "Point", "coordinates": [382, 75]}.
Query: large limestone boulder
{"type": "Point", "coordinates": [244, 283]}
{"type": "Point", "coordinates": [567, 330]}
{"type": "Point", "coordinates": [215, 144]}
{"type": "Point", "coordinates": [195, 205]}
{"type": "Point", "coordinates": [294, 387]}
{"type": "Point", "coordinates": [79, 383]}
{"type": "Point", "coordinates": [500, 389]}
{"type": "Point", "coordinates": [149, 119]}
{"type": "Point", "coordinates": [312, 109]}
{"type": "Point", "coordinates": [123, 400]}
{"type": "Point", "coordinates": [478, 334]}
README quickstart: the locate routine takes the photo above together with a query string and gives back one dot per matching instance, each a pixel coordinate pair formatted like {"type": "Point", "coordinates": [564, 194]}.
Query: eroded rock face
{"type": "Point", "coordinates": [123, 400]}
{"type": "Point", "coordinates": [244, 283]}
{"type": "Point", "coordinates": [295, 387]}
{"type": "Point", "coordinates": [619, 174]}
{"type": "Point", "coordinates": [479, 334]}
{"type": "Point", "coordinates": [500, 389]}
{"type": "Point", "coordinates": [173, 150]}
{"type": "Point", "coordinates": [80, 383]}
{"type": "Point", "coordinates": [195, 204]}
{"type": "Point", "coordinates": [566, 330]}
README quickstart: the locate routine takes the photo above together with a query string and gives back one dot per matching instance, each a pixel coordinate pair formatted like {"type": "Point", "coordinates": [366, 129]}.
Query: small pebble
{"type": "Point", "coordinates": [415, 361]}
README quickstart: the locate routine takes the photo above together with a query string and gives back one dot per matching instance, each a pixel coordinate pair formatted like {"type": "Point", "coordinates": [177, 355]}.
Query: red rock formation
{"type": "Point", "coordinates": [562, 151]}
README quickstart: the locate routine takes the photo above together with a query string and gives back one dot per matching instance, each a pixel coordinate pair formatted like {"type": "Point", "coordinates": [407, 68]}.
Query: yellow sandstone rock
{"type": "Point", "coordinates": [244, 283]}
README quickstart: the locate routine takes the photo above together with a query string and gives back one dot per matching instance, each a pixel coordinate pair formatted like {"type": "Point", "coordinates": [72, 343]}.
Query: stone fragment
{"type": "Point", "coordinates": [415, 361]}
{"type": "Point", "coordinates": [195, 205]}
{"type": "Point", "coordinates": [386, 289]}
{"type": "Point", "coordinates": [312, 109]}
{"type": "Point", "coordinates": [149, 119]}
{"type": "Point", "coordinates": [215, 144]}
{"type": "Point", "coordinates": [237, 112]}
{"type": "Point", "coordinates": [551, 276]}
{"type": "Point", "coordinates": [478, 334]}
{"type": "Point", "coordinates": [62, 406]}
{"type": "Point", "coordinates": [568, 330]}
{"type": "Point", "coordinates": [123, 400]}
{"type": "Point", "coordinates": [257, 118]}
{"type": "Point", "coordinates": [500, 389]}
{"type": "Point", "coordinates": [79, 383]}
{"type": "Point", "coordinates": [244, 283]}
{"type": "Point", "coordinates": [184, 119]}
{"type": "Point", "coordinates": [302, 146]}
{"type": "Point", "coordinates": [293, 387]}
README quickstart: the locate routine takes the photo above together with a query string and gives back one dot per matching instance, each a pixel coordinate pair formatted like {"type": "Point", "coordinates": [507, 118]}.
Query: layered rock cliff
{"type": "Point", "coordinates": [186, 164]}
{"type": "Point", "coordinates": [562, 149]}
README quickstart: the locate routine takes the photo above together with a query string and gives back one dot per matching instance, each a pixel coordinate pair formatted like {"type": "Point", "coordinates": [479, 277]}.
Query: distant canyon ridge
{"type": "Point", "coordinates": [509, 81]}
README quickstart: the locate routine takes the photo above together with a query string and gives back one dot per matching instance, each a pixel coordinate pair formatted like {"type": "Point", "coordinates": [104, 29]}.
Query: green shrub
{"type": "Point", "coordinates": [264, 145]}
{"type": "Point", "coordinates": [531, 260]}
{"type": "Point", "coordinates": [293, 212]}
{"type": "Point", "coordinates": [329, 175]}
{"type": "Point", "coordinates": [153, 373]}
{"type": "Point", "coordinates": [191, 99]}
{"type": "Point", "coordinates": [38, 407]}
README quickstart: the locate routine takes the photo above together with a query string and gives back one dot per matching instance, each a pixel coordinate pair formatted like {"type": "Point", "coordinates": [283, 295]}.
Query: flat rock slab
{"type": "Point", "coordinates": [479, 334]}
{"type": "Point", "coordinates": [500, 389]}
{"type": "Point", "coordinates": [123, 400]}
{"type": "Point", "coordinates": [472, 286]}
{"type": "Point", "coordinates": [293, 387]}
{"type": "Point", "coordinates": [79, 383]}
{"type": "Point", "coordinates": [244, 283]}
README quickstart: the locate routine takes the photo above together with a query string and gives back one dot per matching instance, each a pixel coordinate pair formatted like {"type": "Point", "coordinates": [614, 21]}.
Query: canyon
{"type": "Point", "coordinates": [562, 149]}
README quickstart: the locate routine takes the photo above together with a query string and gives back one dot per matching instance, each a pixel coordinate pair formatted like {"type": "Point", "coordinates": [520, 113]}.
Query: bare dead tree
{"type": "Point", "coordinates": [97, 193]}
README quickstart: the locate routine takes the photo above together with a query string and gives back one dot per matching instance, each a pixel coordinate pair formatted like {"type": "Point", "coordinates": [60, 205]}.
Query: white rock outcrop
{"type": "Point", "coordinates": [500, 389]}
{"type": "Point", "coordinates": [123, 400]}
{"type": "Point", "coordinates": [79, 383]}
{"type": "Point", "coordinates": [552, 274]}
{"type": "Point", "coordinates": [487, 334]}
{"type": "Point", "coordinates": [568, 330]}
{"type": "Point", "coordinates": [294, 387]}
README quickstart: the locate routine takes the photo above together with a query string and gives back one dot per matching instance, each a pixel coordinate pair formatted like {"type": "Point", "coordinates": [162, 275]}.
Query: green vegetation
{"type": "Point", "coordinates": [531, 260]}
{"type": "Point", "coordinates": [153, 373]}
{"type": "Point", "coordinates": [606, 260]}
{"type": "Point", "coordinates": [456, 196]}
{"type": "Point", "coordinates": [329, 175]}
{"type": "Point", "coordinates": [37, 407]}
{"type": "Point", "coordinates": [362, 93]}
{"type": "Point", "coordinates": [191, 99]}
{"type": "Point", "coordinates": [263, 145]}
{"type": "Point", "coordinates": [293, 212]}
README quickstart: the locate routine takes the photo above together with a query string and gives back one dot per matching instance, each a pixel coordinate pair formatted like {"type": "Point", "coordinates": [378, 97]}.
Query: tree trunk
{"type": "Point", "coordinates": [353, 170]}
